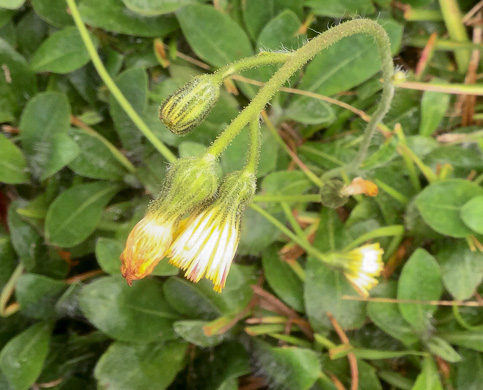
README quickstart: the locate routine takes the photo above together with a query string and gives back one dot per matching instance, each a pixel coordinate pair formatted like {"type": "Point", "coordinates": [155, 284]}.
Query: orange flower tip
{"type": "Point", "coordinates": [360, 186]}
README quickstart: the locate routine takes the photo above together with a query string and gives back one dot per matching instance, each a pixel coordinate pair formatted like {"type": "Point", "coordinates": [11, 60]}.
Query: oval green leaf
{"type": "Point", "coordinates": [140, 367]}
{"type": "Point", "coordinates": [13, 166]}
{"type": "Point", "coordinates": [75, 213]}
{"type": "Point", "coordinates": [22, 358]}
{"type": "Point", "coordinates": [63, 52]}
{"type": "Point", "coordinates": [112, 15]}
{"type": "Point", "coordinates": [44, 118]}
{"type": "Point", "coordinates": [472, 214]}
{"type": "Point", "coordinates": [137, 314]}
{"type": "Point", "coordinates": [440, 205]}
{"type": "Point", "coordinates": [420, 280]}
{"type": "Point", "coordinates": [95, 160]}
{"type": "Point", "coordinates": [155, 7]}
{"type": "Point", "coordinates": [211, 34]}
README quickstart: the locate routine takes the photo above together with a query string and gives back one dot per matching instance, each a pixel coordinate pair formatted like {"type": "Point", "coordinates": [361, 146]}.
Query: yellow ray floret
{"type": "Point", "coordinates": [363, 266]}
{"type": "Point", "coordinates": [207, 245]}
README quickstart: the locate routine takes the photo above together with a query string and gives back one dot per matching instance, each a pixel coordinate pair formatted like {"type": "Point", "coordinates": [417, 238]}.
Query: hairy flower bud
{"type": "Point", "coordinates": [189, 183]}
{"type": "Point", "coordinates": [188, 106]}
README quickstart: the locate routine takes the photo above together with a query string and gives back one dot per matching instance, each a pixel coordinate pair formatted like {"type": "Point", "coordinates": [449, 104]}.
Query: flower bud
{"type": "Point", "coordinates": [188, 106]}
{"type": "Point", "coordinates": [331, 194]}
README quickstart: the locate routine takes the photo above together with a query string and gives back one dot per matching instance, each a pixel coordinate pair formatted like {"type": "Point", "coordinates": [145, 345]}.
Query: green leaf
{"type": "Point", "coordinates": [257, 14]}
{"type": "Point", "coordinates": [323, 293]}
{"type": "Point", "coordinates": [140, 367]}
{"type": "Point", "coordinates": [11, 4]}
{"type": "Point", "coordinates": [201, 302]}
{"type": "Point", "coordinates": [37, 295]}
{"type": "Point", "coordinates": [137, 314]}
{"type": "Point", "coordinates": [75, 213]}
{"type": "Point", "coordinates": [112, 15]}
{"type": "Point", "coordinates": [64, 150]}
{"type": "Point", "coordinates": [388, 317]}
{"type": "Point", "coordinates": [192, 331]}
{"type": "Point", "coordinates": [280, 33]}
{"type": "Point", "coordinates": [420, 280]}
{"type": "Point", "coordinates": [188, 300]}
{"type": "Point", "coordinates": [309, 111]}
{"type": "Point", "coordinates": [25, 238]}
{"type": "Point", "coordinates": [440, 205]}
{"type": "Point", "coordinates": [236, 154]}
{"type": "Point", "coordinates": [433, 107]}
{"type": "Point", "coordinates": [282, 279]}
{"type": "Point", "coordinates": [95, 160]}
{"type": "Point", "coordinates": [256, 233]}
{"type": "Point", "coordinates": [22, 358]}
{"type": "Point", "coordinates": [341, 8]}
{"type": "Point", "coordinates": [46, 117]}
{"type": "Point", "coordinates": [23, 83]}
{"type": "Point", "coordinates": [428, 379]}
{"type": "Point", "coordinates": [417, 3]}
{"type": "Point", "coordinates": [13, 166]}
{"type": "Point", "coordinates": [441, 348]}
{"type": "Point", "coordinates": [211, 35]}
{"type": "Point", "coordinates": [288, 368]}
{"type": "Point", "coordinates": [53, 12]}
{"type": "Point", "coordinates": [231, 362]}
{"type": "Point", "coordinates": [9, 262]}
{"type": "Point", "coordinates": [472, 214]}
{"type": "Point", "coordinates": [462, 269]}
{"type": "Point", "coordinates": [155, 7]}
{"type": "Point", "coordinates": [63, 52]}
{"type": "Point", "coordinates": [468, 339]}
{"type": "Point", "coordinates": [133, 83]}
{"type": "Point", "coordinates": [470, 370]}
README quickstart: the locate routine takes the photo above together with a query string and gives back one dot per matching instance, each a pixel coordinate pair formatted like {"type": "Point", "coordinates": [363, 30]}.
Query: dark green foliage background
{"type": "Point", "coordinates": [68, 202]}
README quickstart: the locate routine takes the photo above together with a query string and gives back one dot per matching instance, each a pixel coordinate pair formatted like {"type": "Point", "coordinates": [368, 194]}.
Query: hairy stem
{"type": "Point", "coordinates": [298, 59]}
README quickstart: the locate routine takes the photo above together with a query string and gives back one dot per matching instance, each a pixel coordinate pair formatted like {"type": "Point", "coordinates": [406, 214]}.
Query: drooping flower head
{"type": "Point", "coordinates": [189, 183]}
{"type": "Point", "coordinates": [363, 265]}
{"type": "Point", "coordinates": [207, 243]}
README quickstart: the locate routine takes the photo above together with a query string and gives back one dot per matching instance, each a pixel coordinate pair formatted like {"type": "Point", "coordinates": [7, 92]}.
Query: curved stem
{"type": "Point", "coordinates": [113, 88]}
{"type": "Point", "coordinates": [263, 58]}
{"type": "Point", "coordinates": [299, 59]}
{"type": "Point", "coordinates": [254, 149]}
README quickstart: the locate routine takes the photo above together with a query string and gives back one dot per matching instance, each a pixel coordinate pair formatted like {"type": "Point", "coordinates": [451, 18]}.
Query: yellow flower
{"type": "Point", "coordinates": [208, 241]}
{"type": "Point", "coordinates": [363, 265]}
{"type": "Point", "coordinates": [146, 246]}
{"type": "Point", "coordinates": [207, 246]}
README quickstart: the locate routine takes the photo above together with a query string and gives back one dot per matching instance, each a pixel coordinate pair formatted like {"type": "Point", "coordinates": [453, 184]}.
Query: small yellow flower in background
{"type": "Point", "coordinates": [208, 242]}
{"type": "Point", "coordinates": [361, 186]}
{"type": "Point", "coordinates": [363, 265]}
{"type": "Point", "coordinates": [146, 246]}
{"type": "Point", "coordinates": [189, 184]}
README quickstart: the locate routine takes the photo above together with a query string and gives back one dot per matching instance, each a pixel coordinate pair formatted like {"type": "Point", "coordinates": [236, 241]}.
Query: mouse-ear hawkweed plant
{"type": "Point", "coordinates": [205, 242]}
